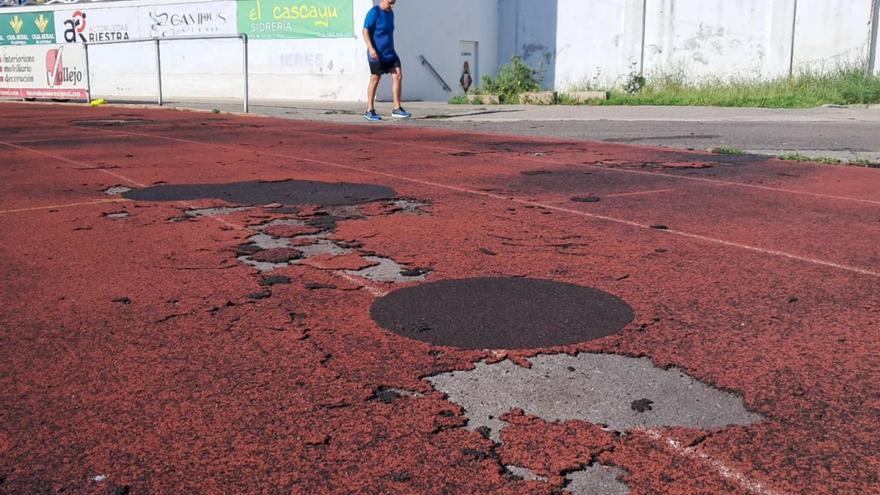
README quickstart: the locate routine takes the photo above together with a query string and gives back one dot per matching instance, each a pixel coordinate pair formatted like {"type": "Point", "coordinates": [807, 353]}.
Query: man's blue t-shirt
{"type": "Point", "coordinates": [380, 24]}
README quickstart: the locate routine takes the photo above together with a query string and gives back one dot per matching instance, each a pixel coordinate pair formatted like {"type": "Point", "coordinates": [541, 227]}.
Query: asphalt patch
{"type": "Point", "coordinates": [110, 122]}
{"type": "Point", "coordinates": [501, 313]}
{"type": "Point", "coordinates": [247, 249]}
{"type": "Point", "coordinates": [385, 395]}
{"type": "Point", "coordinates": [274, 280]}
{"type": "Point", "coordinates": [642, 405]}
{"type": "Point", "coordinates": [672, 156]}
{"type": "Point", "coordinates": [415, 272]}
{"type": "Point", "coordinates": [277, 255]}
{"type": "Point", "coordinates": [604, 389]}
{"type": "Point", "coordinates": [586, 199]}
{"type": "Point", "coordinates": [317, 286]}
{"type": "Point", "coordinates": [286, 193]}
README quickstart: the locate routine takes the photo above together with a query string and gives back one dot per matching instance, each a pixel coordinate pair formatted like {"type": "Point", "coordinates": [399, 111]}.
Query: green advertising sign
{"type": "Point", "coordinates": [27, 28]}
{"type": "Point", "coordinates": [279, 19]}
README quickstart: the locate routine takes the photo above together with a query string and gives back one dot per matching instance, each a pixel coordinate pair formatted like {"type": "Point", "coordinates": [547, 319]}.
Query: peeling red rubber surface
{"type": "Point", "coordinates": [135, 348]}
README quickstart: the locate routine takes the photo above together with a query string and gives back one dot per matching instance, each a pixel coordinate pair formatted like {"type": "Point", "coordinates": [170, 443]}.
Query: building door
{"type": "Point", "coordinates": [468, 66]}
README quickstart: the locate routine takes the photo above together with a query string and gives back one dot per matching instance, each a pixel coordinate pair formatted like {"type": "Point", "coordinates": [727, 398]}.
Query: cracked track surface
{"type": "Point", "coordinates": [138, 355]}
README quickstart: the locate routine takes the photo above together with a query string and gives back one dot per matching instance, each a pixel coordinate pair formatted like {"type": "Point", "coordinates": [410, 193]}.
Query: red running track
{"type": "Point", "coordinates": [130, 348]}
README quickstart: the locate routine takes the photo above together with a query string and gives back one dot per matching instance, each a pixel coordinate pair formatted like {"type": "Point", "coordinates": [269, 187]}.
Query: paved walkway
{"type": "Point", "coordinates": [848, 134]}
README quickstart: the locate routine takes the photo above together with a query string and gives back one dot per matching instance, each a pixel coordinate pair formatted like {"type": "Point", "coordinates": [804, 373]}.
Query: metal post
{"type": "Point", "coordinates": [793, 38]}
{"type": "Point", "coordinates": [88, 76]}
{"type": "Point", "coordinates": [159, 70]}
{"type": "Point", "coordinates": [244, 60]}
{"type": "Point", "coordinates": [242, 37]}
{"type": "Point", "coordinates": [872, 37]}
{"type": "Point", "coordinates": [644, 28]}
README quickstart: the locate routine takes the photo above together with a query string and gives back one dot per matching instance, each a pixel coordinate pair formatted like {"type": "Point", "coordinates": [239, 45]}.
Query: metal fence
{"type": "Point", "coordinates": [158, 43]}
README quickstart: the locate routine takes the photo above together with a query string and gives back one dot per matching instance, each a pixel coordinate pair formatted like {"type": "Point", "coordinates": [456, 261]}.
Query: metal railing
{"type": "Point", "coordinates": [244, 60]}
{"type": "Point", "coordinates": [431, 69]}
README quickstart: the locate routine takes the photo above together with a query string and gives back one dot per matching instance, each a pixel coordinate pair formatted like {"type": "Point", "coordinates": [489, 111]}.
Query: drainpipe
{"type": "Point", "coordinates": [872, 37]}
{"type": "Point", "coordinates": [793, 37]}
{"type": "Point", "coordinates": [515, 30]}
{"type": "Point", "coordinates": [644, 27]}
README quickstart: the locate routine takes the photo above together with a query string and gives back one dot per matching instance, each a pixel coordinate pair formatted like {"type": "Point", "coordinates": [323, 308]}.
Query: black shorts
{"type": "Point", "coordinates": [379, 67]}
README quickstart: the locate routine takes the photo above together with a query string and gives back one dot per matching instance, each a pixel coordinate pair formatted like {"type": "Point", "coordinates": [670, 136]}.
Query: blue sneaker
{"type": "Point", "coordinates": [372, 116]}
{"type": "Point", "coordinates": [400, 113]}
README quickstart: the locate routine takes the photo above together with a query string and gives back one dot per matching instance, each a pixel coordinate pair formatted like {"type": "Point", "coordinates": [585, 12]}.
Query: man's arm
{"type": "Point", "coordinates": [368, 38]}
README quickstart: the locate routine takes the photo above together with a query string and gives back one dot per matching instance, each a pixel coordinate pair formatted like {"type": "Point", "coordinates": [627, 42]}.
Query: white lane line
{"type": "Point", "coordinates": [67, 205]}
{"type": "Point", "coordinates": [719, 467]}
{"type": "Point", "coordinates": [376, 292]}
{"type": "Point", "coordinates": [49, 140]}
{"type": "Point", "coordinates": [637, 193]}
{"type": "Point", "coordinates": [543, 160]}
{"type": "Point", "coordinates": [772, 252]}
{"type": "Point", "coordinates": [72, 162]}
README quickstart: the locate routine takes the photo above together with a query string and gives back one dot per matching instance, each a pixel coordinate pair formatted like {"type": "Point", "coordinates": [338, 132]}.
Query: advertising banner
{"type": "Point", "coordinates": [280, 19]}
{"type": "Point", "coordinates": [159, 21]}
{"type": "Point", "coordinates": [98, 24]}
{"type": "Point", "coordinates": [42, 71]}
{"type": "Point", "coordinates": [27, 28]}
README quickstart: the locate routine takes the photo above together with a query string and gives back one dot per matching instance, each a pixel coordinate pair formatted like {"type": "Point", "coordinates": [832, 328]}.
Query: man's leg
{"type": "Point", "coordinates": [371, 91]}
{"type": "Point", "coordinates": [397, 88]}
{"type": "Point", "coordinates": [396, 85]}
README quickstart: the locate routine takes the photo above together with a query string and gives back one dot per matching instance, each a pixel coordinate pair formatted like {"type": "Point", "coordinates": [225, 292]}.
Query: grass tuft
{"type": "Point", "coordinates": [727, 150]}
{"type": "Point", "coordinates": [794, 157]}
{"type": "Point", "coordinates": [845, 86]}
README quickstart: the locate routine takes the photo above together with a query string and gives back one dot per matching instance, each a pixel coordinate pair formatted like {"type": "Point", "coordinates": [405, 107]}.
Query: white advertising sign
{"type": "Point", "coordinates": [96, 24]}
{"type": "Point", "coordinates": [323, 56]}
{"type": "Point", "coordinates": [42, 71]}
{"type": "Point", "coordinates": [159, 21]}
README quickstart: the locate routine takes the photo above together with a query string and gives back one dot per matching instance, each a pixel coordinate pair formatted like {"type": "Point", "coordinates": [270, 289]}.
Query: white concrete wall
{"type": "Point", "coordinates": [876, 36]}
{"type": "Point", "coordinates": [588, 55]}
{"type": "Point", "coordinates": [718, 39]}
{"type": "Point", "coordinates": [875, 33]}
{"type": "Point", "coordinates": [600, 41]}
{"type": "Point", "coordinates": [830, 34]}
{"type": "Point", "coordinates": [434, 29]}
{"type": "Point", "coordinates": [528, 28]}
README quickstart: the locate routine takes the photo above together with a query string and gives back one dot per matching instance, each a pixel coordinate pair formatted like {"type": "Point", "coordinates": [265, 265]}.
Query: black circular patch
{"type": "Point", "coordinates": [501, 313]}
{"type": "Point", "coordinates": [289, 192]}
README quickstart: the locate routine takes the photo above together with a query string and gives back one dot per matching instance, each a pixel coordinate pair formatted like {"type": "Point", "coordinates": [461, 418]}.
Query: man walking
{"type": "Point", "coordinates": [379, 36]}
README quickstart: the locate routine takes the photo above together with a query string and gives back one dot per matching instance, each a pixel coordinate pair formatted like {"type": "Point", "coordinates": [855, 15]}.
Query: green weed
{"type": "Point", "coordinates": [844, 86]}
{"type": "Point", "coordinates": [512, 79]}
{"type": "Point", "coordinates": [726, 150]}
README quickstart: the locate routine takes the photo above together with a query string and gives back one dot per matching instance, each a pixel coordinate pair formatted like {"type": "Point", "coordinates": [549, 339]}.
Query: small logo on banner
{"type": "Point", "coordinates": [54, 70]}
{"type": "Point", "coordinates": [16, 24]}
{"type": "Point", "coordinates": [75, 27]}
{"type": "Point", "coordinates": [57, 74]}
{"type": "Point", "coordinates": [42, 23]}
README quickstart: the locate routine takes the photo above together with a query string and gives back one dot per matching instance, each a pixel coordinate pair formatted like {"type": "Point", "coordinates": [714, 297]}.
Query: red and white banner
{"type": "Point", "coordinates": [43, 71]}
